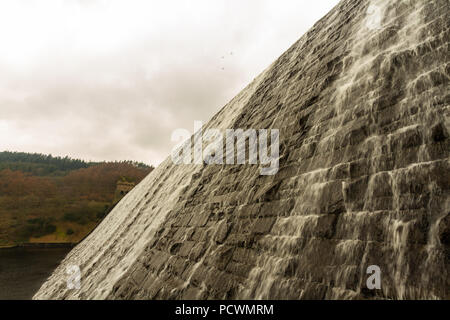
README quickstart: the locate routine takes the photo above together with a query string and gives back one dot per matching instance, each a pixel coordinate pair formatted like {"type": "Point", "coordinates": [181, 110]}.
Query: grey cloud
{"type": "Point", "coordinates": [125, 103]}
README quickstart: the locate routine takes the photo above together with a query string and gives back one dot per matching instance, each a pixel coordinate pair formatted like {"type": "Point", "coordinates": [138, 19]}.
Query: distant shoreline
{"type": "Point", "coordinates": [41, 245]}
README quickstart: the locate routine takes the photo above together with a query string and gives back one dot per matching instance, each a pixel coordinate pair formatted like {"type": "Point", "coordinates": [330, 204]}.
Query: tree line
{"type": "Point", "coordinates": [46, 164]}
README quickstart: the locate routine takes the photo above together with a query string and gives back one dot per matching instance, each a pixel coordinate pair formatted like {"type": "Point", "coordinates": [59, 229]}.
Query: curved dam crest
{"type": "Point", "coordinates": [362, 105]}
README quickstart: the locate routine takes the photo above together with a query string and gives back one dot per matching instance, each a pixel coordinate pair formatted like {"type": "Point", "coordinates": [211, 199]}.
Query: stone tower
{"type": "Point", "coordinates": [122, 189]}
{"type": "Point", "coordinates": [362, 105]}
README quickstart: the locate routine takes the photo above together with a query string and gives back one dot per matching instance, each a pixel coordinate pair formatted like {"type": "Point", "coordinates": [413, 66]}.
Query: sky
{"type": "Point", "coordinates": [112, 79]}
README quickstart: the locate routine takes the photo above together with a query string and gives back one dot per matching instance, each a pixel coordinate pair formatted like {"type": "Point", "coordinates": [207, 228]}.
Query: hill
{"type": "Point", "coordinates": [54, 199]}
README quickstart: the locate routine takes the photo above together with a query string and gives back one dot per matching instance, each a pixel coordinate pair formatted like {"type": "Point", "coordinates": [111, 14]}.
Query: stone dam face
{"type": "Point", "coordinates": [362, 105]}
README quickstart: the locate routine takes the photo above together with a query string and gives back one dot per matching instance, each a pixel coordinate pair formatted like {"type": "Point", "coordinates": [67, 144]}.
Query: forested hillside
{"type": "Point", "coordinates": [53, 199]}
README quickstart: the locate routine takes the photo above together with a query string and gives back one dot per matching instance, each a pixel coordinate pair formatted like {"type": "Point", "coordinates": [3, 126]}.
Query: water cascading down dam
{"type": "Point", "coordinates": [361, 102]}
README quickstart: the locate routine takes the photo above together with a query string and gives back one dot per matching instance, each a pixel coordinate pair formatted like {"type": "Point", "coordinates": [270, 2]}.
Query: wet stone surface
{"type": "Point", "coordinates": [364, 179]}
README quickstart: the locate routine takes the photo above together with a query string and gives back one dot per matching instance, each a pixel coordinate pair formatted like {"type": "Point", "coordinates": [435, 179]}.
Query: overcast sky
{"type": "Point", "coordinates": [111, 80]}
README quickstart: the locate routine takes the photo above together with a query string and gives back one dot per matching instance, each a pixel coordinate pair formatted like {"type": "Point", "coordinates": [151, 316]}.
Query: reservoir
{"type": "Point", "coordinates": [24, 269]}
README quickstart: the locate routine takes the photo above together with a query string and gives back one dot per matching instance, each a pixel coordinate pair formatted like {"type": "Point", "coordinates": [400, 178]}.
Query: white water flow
{"type": "Point", "coordinates": [360, 71]}
{"type": "Point", "coordinates": [105, 255]}
{"type": "Point", "coordinates": [362, 175]}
